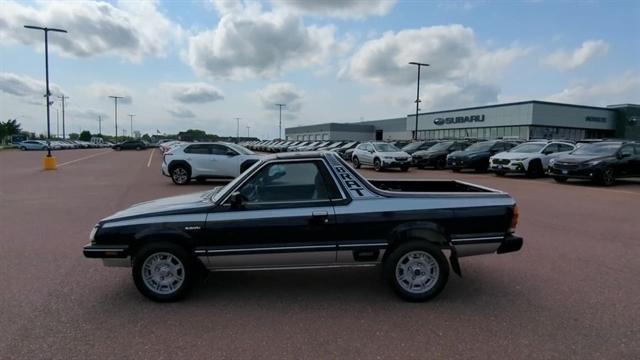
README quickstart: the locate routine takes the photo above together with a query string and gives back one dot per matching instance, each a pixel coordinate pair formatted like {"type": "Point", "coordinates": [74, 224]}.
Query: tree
{"type": "Point", "coordinates": [85, 136]}
{"type": "Point", "coordinates": [8, 128]}
{"type": "Point", "coordinates": [146, 138]}
{"type": "Point", "coordinates": [74, 136]}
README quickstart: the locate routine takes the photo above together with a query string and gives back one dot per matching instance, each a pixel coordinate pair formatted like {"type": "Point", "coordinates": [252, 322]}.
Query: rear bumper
{"type": "Point", "coordinates": [510, 243]}
{"type": "Point", "coordinates": [105, 251]}
{"type": "Point", "coordinates": [471, 246]}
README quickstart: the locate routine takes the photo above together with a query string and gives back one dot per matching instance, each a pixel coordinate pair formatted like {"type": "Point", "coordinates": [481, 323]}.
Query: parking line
{"type": "Point", "coordinates": [83, 158]}
{"type": "Point", "coordinates": [150, 157]}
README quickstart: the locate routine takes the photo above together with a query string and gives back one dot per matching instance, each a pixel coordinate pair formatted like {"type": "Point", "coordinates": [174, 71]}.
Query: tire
{"type": "Point", "coordinates": [377, 165]}
{"type": "Point", "coordinates": [416, 263]}
{"type": "Point", "coordinates": [441, 164]}
{"type": "Point", "coordinates": [180, 174]}
{"type": "Point", "coordinates": [138, 148]}
{"type": "Point", "coordinates": [607, 177]}
{"type": "Point", "coordinates": [421, 167]}
{"type": "Point", "coordinates": [455, 170]}
{"type": "Point", "coordinates": [500, 173]}
{"type": "Point", "coordinates": [23, 148]}
{"type": "Point", "coordinates": [535, 169]}
{"type": "Point", "coordinates": [404, 168]}
{"type": "Point", "coordinates": [118, 148]}
{"type": "Point", "coordinates": [356, 162]}
{"type": "Point", "coordinates": [163, 272]}
{"type": "Point", "coordinates": [560, 179]}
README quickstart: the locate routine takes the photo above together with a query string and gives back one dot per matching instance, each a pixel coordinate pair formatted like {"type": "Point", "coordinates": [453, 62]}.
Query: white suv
{"type": "Point", "coordinates": [203, 161]}
{"type": "Point", "coordinates": [380, 155]}
{"type": "Point", "coordinates": [531, 158]}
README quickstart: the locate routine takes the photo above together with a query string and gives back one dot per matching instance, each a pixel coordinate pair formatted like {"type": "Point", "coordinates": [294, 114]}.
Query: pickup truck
{"type": "Point", "coordinates": [308, 210]}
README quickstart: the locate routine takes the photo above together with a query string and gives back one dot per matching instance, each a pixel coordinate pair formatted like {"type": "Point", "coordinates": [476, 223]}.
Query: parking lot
{"type": "Point", "coordinates": [572, 292]}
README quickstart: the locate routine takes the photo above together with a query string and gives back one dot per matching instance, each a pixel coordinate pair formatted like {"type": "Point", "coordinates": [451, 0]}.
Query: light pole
{"type": "Point", "coordinates": [57, 124]}
{"type": "Point", "coordinates": [63, 97]}
{"type": "Point", "coordinates": [115, 101]}
{"type": "Point", "coordinates": [415, 136]}
{"type": "Point", "coordinates": [248, 131]}
{"type": "Point", "coordinates": [237, 130]}
{"type": "Point", "coordinates": [46, 66]}
{"type": "Point", "coordinates": [280, 106]}
{"type": "Point", "coordinates": [131, 120]}
{"type": "Point", "coordinates": [100, 124]}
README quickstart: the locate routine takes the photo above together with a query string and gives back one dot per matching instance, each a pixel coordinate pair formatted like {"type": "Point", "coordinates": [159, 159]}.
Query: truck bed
{"type": "Point", "coordinates": [429, 186]}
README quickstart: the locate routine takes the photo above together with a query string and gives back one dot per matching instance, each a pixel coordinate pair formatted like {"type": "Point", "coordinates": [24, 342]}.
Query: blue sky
{"type": "Point", "coordinates": [201, 64]}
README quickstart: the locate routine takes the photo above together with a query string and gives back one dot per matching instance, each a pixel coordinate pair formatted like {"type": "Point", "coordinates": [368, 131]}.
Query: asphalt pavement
{"type": "Point", "coordinates": [572, 292]}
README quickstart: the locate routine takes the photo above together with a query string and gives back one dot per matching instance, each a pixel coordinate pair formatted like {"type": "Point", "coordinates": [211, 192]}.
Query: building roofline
{"type": "Point", "coordinates": [511, 104]}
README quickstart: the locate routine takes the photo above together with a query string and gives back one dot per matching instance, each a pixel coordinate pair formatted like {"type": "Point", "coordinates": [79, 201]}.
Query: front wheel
{"type": "Point", "coordinates": [404, 168]}
{"type": "Point", "coordinates": [607, 178]}
{"type": "Point", "coordinates": [118, 148]}
{"type": "Point", "coordinates": [441, 164]}
{"type": "Point", "coordinates": [560, 179]}
{"type": "Point", "coordinates": [180, 175]}
{"type": "Point", "coordinates": [138, 148]}
{"type": "Point", "coordinates": [163, 272]}
{"type": "Point", "coordinates": [417, 271]}
{"type": "Point", "coordinates": [23, 148]}
{"type": "Point", "coordinates": [377, 165]}
{"type": "Point", "coordinates": [356, 162]}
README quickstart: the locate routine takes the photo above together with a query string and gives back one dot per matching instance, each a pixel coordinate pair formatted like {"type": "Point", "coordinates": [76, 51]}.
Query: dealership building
{"type": "Point", "coordinates": [525, 120]}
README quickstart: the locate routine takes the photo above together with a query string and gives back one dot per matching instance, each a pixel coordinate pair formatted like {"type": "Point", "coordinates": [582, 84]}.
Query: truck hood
{"type": "Point", "coordinates": [167, 205]}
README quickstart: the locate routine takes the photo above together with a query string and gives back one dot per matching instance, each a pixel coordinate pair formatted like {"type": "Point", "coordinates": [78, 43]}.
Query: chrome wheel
{"type": "Point", "coordinates": [163, 273]}
{"type": "Point", "coordinates": [417, 272]}
{"type": "Point", "coordinates": [180, 175]}
{"type": "Point", "coordinates": [377, 166]}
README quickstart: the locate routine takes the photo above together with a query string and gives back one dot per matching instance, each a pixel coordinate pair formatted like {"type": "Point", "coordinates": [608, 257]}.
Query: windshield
{"type": "Point", "coordinates": [346, 146]}
{"type": "Point", "coordinates": [481, 146]}
{"type": "Point", "coordinates": [241, 149]}
{"type": "Point", "coordinates": [597, 149]}
{"type": "Point", "coordinates": [385, 147]}
{"type": "Point", "coordinates": [528, 148]}
{"type": "Point", "coordinates": [440, 146]}
{"type": "Point", "coordinates": [412, 146]}
{"type": "Point", "coordinates": [223, 189]}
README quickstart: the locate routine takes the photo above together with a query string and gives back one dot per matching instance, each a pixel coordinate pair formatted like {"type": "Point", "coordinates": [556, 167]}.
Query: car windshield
{"type": "Point", "coordinates": [348, 145]}
{"type": "Point", "coordinates": [528, 148]}
{"type": "Point", "coordinates": [217, 195]}
{"type": "Point", "coordinates": [440, 146]}
{"type": "Point", "coordinates": [241, 149]}
{"type": "Point", "coordinates": [481, 146]}
{"type": "Point", "coordinates": [385, 147]}
{"type": "Point", "coordinates": [597, 149]}
{"type": "Point", "coordinates": [412, 146]}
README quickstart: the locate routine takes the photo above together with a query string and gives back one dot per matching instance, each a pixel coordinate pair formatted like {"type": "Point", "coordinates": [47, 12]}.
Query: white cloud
{"type": "Point", "coordinates": [26, 87]}
{"type": "Point", "coordinates": [130, 30]}
{"type": "Point", "coordinates": [250, 43]}
{"type": "Point", "coordinates": [193, 93]}
{"type": "Point", "coordinates": [342, 9]}
{"type": "Point", "coordinates": [181, 112]}
{"type": "Point", "coordinates": [282, 93]}
{"type": "Point", "coordinates": [569, 60]}
{"type": "Point", "coordinates": [104, 90]}
{"type": "Point", "coordinates": [618, 90]}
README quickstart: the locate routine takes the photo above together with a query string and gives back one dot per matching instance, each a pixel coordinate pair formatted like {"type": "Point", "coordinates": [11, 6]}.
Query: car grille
{"type": "Point", "coordinates": [501, 161]}
{"type": "Point", "coordinates": [565, 166]}
{"type": "Point", "coordinates": [401, 159]}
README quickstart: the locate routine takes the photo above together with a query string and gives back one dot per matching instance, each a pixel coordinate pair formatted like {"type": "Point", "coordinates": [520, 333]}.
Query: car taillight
{"type": "Point", "coordinates": [514, 219]}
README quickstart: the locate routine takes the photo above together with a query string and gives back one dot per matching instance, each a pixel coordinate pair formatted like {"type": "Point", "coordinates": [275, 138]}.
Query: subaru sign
{"type": "Point", "coordinates": [458, 119]}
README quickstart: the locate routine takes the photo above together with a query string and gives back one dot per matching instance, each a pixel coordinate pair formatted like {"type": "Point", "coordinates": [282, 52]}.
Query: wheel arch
{"type": "Point", "coordinates": [175, 163]}
{"type": "Point", "coordinates": [172, 236]}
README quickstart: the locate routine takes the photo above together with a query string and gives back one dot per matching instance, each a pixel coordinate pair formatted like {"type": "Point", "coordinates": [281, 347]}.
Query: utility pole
{"type": "Point", "coordinates": [248, 131]}
{"type": "Point", "coordinates": [115, 101]}
{"type": "Point", "coordinates": [63, 132]}
{"type": "Point", "coordinates": [57, 124]}
{"type": "Point", "coordinates": [131, 119]}
{"type": "Point", "coordinates": [280, 131]}
{"type": "Point", "coordinates": [46, 66]}
{"type": "Point", "coordinates": [237, 130]}
{"type": "Point", "coordinates": [415, 135]}
{"type": "Point", "coordinates": [100, 124]}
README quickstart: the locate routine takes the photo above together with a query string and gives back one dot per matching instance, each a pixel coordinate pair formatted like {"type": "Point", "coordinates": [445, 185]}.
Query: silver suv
{"type": "Point", "coordinates": [381, 156]}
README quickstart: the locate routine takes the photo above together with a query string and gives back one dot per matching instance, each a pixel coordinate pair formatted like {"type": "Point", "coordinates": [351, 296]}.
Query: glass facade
{"type": "Point", "coordinates": [522, 132]}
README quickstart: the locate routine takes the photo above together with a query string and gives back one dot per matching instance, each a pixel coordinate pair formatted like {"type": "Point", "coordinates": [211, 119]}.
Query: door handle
{"type": "Point", "coordinates": [321, 216]}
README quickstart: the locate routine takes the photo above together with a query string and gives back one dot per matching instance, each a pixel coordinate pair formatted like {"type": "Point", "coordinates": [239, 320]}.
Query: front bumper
{"type": "Point", "coordinates": [395, 163]}
{"type": "Point", "coordinates": [105, 251]}
{"type": "Point", "coordinates": [420, 161]}
{"type": "Point", "coordinates": [589, 173]}
{"type": "Point", "coordinates": [512, 167]}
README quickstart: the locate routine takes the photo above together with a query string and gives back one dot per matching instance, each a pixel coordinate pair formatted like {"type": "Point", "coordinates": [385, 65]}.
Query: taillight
{"type": "Point", "coordinates": [514, 218]}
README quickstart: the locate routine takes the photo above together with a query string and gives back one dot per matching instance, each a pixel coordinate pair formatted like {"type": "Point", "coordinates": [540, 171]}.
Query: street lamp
{"type": "Point", "coordinates": [248, 131]}
{"type": "Point", "coordinates": [115, 100]}
{"type": "Point", "coordinates": [237, 130]}
{"type": "Point", "coordinates": [63, 98]}
{"type": "Point", "coordinates": [280, 106]}
{"type": "Point", "coordinates": [415, 136]}
{"type": "Point", "coordinates": [49, 164]}
{"type": "Point", "coordinates": [131, 119]}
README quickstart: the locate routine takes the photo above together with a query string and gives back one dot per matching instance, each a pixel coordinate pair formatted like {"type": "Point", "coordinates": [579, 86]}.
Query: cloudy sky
{"type": "Point", "coordinates": [201, 64]}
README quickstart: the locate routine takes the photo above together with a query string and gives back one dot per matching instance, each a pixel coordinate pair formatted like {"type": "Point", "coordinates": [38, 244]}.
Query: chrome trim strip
{"type": "Point", "coordinates": [200, 251]}
{"type": "Point", "coordinates": [106, 249]}
{"type": "Point", "coordinates": [303, 267]}
{"type": "Point", "coordinates": [215, 251]}
{"type": "Point", "coordinates": [341, 246]}
{"type": "Point", "coordinates": [456, 240]}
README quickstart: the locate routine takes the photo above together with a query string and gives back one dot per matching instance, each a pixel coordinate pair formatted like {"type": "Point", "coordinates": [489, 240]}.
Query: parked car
{"type": "Point", "coordinates": [32, 145]}
{"type": "Point", "coordinates": [436, 155]}
{"type": "Point", "coordinates": [531, 158]}
{"type": "Point", "coordinates": [477, 155]}
{"type": "Point", "coordinates": [203, 161]}
{"type": "Point", "coordinates": [601, 162]}
{"type": "Point", "coordinates": [381, 156]}
{"type": "Point", "coordinates": [293, 211]}
{"type": "Point", "coordinates": [130, 145]}
{"type": "Point", "coordinates": [345, 148]}
{"type": "Point", "coordinates": [418, 146]}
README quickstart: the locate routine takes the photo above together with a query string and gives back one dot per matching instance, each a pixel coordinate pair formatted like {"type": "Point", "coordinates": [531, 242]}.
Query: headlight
{"type": "Point", "coordinates": [92, 234]}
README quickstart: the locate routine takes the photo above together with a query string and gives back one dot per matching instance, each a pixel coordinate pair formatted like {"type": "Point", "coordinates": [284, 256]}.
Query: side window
{"type": "Point", "coordinates": [197, 149]}
{"type": "Point", "coordinates": [627, 150]}
{"type": "Point", "coordinates": [287, 182]}
{"type": "Point", "coordinates": [550, 149]}
{"type": "Point", "coordinates": [218, 149]}
{"type": "Point", "coordinates": [565, 147]}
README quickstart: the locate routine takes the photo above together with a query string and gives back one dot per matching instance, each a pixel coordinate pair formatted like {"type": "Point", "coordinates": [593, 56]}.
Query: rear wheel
{"type": "Point", "coordinates": [356, 162]}
{"type": "Point", "coordinates": [180, 175]}
{"type": "Point", "coordinates": [417, 271]}
{"type": "Point", "coordinates": [163, 272]}
{"type": "Point", "coordinates": [138, 148]}
{"type": "Point", "coordinates": [377, 165]}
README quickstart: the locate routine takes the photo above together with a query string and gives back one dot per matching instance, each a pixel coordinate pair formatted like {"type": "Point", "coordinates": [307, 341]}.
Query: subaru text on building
{"type": "Point", "coordinates": [308, 210]}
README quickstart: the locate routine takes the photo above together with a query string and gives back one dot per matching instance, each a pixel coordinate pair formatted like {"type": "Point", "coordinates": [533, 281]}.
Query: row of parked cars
{"type": "Point", "coordinates": [60, 145]}
{"type": "Point", "coordinates": [600, 161]}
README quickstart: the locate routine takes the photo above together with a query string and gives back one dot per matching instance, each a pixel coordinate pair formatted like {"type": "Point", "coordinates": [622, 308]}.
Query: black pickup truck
{"type": "Point", "coordinates": [308, 210]}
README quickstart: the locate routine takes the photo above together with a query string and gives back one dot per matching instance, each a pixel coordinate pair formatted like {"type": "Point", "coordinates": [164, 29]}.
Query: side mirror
{"type": "Point", "coordinates": [231, 153]}
{"type": "Point", "coordinates": [623, 155]}
{"type": "Point", "coordinates": [547, 152]}
{"type": "Point", "coordinates": [236, 200]}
